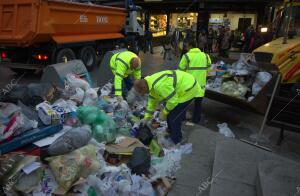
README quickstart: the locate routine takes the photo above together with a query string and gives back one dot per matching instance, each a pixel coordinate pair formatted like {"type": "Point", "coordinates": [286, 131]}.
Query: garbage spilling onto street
{"type": "Point", "coordinates": [83, 141]}
{"type": "Point", "coordinates": [242, 79]}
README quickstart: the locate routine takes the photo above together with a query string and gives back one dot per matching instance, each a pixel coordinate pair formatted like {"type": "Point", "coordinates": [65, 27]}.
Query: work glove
{"type": "Point", "coordinates": [144, 122]}
{"type": "Point", "coordinates": [120, 99]}
{"type": "Point", "coordinates": [162, 116]}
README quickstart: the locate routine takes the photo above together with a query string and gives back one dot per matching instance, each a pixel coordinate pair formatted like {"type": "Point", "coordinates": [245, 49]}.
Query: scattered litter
{"type": "Point", "coordinates": [242, 79]}
{"type": "Point", "coordinates": [188, 123]}
{"type": "Point", "coordinates": [90, 143]}
{"type": "Point", "coordinates": [224, 130]}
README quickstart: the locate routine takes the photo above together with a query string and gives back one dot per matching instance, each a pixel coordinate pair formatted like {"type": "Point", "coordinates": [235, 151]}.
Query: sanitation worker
{"type": "Point", "coordinates": [196, 63]}
{"type": "Point", "coordinates": [123, 65]}
{"type": "Point", "coordinates": [176, 89]}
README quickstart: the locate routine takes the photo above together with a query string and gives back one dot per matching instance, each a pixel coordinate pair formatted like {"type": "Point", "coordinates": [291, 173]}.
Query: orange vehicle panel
{"type": "Point", "coordinates": [27, 22]}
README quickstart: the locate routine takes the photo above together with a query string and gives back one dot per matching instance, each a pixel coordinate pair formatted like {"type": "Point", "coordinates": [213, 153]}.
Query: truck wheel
{"type": "Point", "coordinates": [65, 53]}
{"type": "Point", "coordinates": [88, 56]}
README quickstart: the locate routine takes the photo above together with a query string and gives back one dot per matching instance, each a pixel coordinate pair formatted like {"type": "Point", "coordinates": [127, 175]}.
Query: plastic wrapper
{"type": "Point", "coordinates": [67, 105]}
{"type": "Point", "coordinates": [246, 62]}
{"type": "Point", "coordinates": [170, 163]}
{"type": "Point", "coordinates": [50, 115]}
{"type": "Point", "coordinates": [70, 141]}
{"type": "Point", "coordinates": [28, 182]}
{"type": "Point", "coordinates": [261, 79]}
{"type": "Point", "coordinates": [8, 109]}
{"type": "Point", "coordinates": [103, 105]}
{"type": "Point", "coordinates": [224, 130]}
{"type": "Point", "coordinates": [121, 115]}
{"type": "Point", "coordinates": [141, 186]}
{"type": "Point", "coordinates": [29, 112]}
{"type": "Point", "coordinates": [18, 124]}
{"type": "Point", "coordinates": [103, 126]}
{"type": "Point", "coordinates": [234, 89]}
{"type": "Point", "coordinates": [106, 89]}
{"type": "Point", "coordinates": [76, 82]}
{"type": "Point", "coordinates": [47, 184]}
{"type": "Point", "coordinates": [11, 170]}
{"type": "Point", "coordinates": [78, 96]}
{"type": "Point", "coordinates": [90, 98]}
{"type": "Point", "coordinates": [215, 84]}
{"type": "Point", "coordinates": [116, 181]}
{"type": "Point", "coordinates": [68, 168]}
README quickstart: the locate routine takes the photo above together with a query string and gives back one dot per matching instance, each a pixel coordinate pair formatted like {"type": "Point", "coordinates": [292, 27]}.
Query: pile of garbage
{"type": "Point", "coordinates": [80, 140]}
{"type": "Point", "coordinates": [242, 79]}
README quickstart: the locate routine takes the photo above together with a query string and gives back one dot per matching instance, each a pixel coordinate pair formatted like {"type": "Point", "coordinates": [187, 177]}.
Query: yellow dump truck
{"type": "Point", "coordinates": [284, 50]}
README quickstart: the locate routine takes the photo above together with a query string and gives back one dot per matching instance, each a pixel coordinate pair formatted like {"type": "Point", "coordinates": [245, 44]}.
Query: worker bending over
{"type": "Point", "coordinates": [176, 89]}
{"type": "Point", "coordinates": [124, 64]}
{"type": "Point", "coordinates": [196, 63]}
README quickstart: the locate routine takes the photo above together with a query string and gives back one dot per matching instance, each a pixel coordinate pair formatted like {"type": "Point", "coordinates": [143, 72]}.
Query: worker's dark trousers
{"type": "Point", "coordinates": [197, 110]}
{"type": "Point", "coordinates": [127, 84]}
{"type": "Point", "coordinates": [174, 120]}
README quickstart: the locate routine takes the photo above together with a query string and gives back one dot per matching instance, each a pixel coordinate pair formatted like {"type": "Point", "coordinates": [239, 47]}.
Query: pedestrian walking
{"type": "Point", "coordinates": [149, 37]}
{"type": "Point", "coordinates": [167, 47]}
{"type": "Point", "coordinates": [225, 44]}
{"type": "Point", "coordinates": [202, 41]}
{"type": "Point", "coordinates": [210, 40]}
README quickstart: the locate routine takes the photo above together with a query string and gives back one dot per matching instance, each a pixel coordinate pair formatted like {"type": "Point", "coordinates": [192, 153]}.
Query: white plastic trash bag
{"type": "Point", "coordinates": [224, 130]}
{"type": "Point", "coordinates": [78, 96]}
{"type": "Point", "coordinates": [90, 98]}
{"type": "Point", "coordinates": [261, 79]}
{"type": "Point", "coordinates": [75, 82]}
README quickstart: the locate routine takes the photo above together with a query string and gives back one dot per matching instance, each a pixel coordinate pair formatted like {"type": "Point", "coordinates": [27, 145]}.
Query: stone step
{"type": "Point", "coordinates": [196, 168]}
{"type": "Point", "coordinates": [278, 178]}
{"type": "Point", "coordinates": [235, 168]}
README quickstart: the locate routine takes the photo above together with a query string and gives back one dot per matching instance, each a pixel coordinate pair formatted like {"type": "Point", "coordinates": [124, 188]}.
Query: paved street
{"type": "Point", "coordinates": [242, 123]}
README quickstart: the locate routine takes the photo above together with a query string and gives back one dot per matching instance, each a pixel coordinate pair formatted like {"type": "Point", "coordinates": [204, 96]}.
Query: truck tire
{"type": "Point", "coordinates": [88, 56]}
{"type": "Point", "coordinates": [65, 52]}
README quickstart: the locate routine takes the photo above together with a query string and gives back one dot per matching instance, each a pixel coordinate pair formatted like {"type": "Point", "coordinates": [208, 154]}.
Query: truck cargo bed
{"type": "Point", "coordinates": [259, 103]}
{"type": "Point", "coordinates": [27, 22]}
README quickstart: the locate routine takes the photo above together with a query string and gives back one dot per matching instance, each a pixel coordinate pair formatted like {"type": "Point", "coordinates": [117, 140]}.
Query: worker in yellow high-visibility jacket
{"type": "Point", "coordinates": [123, 65]}
{"type": "Point", "coordinates": [176, 89]}
{"type": "Point", "coordinates": [196, 63]}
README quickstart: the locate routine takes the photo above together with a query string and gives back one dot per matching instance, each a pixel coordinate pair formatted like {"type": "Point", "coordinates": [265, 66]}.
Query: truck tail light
{"type": "Point", "coordinates": [3, 55]}
{"type": "Point", "coordinates": [41, 57]}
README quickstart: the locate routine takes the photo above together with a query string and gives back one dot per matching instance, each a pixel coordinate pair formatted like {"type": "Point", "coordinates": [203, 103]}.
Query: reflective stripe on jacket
{"type": "Point", "coordinates": [171, 88]}
{"type": "Point", "coordinates": [196, 63]}
{"type": "Point", "coordinates": [120, 66]}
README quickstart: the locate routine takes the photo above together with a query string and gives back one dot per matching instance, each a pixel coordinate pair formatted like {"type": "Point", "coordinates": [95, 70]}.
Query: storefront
{"type": "Point", "coordinates": [233, 20]}
{"type": "Point", "coordinates": [184, 21]}
{"type": "Point", "coordinates": [158, 25]}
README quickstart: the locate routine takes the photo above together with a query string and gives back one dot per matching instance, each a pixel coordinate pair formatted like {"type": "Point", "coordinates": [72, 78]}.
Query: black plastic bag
{"type": "Point", "coordinates": [145, 135]}
{"type": "Point", "coordinates": [139, 162]}
{"type": "Point", "coordinates": [31, 94]}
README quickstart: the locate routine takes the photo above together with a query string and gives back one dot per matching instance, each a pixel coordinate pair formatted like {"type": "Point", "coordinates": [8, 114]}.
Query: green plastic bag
{"type": "Point", "coordinates": [103, 126]}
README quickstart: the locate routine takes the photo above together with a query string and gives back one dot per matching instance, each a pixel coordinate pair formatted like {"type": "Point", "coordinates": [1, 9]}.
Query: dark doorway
{"type": "Point", "coordinates": [244, 23]}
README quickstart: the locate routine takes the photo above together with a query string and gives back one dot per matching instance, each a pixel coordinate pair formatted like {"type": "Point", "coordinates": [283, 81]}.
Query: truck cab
{"type": "Point", "coordinates": [284, 50]}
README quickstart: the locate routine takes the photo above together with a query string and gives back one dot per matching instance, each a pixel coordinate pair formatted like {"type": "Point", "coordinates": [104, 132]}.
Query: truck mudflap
{"type": "Point", "coordinates": [21, 66]}
{"type": "Point", "coordinates": [259, 103]}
